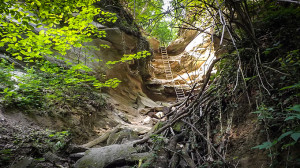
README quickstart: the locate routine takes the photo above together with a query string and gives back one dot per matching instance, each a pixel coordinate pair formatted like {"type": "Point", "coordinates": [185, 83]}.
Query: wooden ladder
{"type": "Point", "coordinates": [169, 75]}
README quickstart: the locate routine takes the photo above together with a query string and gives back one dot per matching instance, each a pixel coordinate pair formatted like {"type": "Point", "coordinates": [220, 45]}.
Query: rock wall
{"type": "Point", "coordinates": [189, 56]}
{"type": "Point", "coordinates": [178, 46]}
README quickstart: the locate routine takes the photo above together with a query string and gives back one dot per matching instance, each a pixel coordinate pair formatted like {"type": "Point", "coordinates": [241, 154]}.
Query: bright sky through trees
{"type": "Point", "coordinates": [165, 7]}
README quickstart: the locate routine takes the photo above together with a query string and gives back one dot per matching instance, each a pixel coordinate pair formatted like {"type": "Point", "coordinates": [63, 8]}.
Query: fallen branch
{"type": "Point", "coordinates": [187, 158]}
{"type": "Point", "coordinates": [100, 139]}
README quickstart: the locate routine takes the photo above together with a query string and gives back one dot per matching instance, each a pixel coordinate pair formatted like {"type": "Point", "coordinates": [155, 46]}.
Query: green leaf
{"type": "Point", "coordinates": [284, 135]}
{"type": "Point", "coordinates": [19, 58]}
{"type": "Point", "coordinates": [38, 3]}
{"type": "Point", "coordinates": [265, 145]}
{"type": "Point", "coordinates": [50, 25]}
{"type": "Point", "coordinates": [296, 136]}
{"type": "Point", "coordinates": [296, 108]}
{"type": "Point", "coordinates": [292, 117]}
{"type": "Point", "coordinates": [42, 32]}
{"type": "Point", "coordinates": [292, 86]}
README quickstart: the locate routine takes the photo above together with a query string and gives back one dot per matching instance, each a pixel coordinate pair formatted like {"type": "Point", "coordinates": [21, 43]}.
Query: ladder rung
{"type": "Point", "coordinates": [169, 76]}
{"type": "Point", "coordinates": [179, 91]}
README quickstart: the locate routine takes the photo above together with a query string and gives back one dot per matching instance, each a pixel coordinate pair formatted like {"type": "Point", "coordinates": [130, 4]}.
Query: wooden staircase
{"type": "Point", "coordinates": [169, 75]}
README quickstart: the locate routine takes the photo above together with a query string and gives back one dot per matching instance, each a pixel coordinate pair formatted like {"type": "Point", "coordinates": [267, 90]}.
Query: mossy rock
{"type": "Point", "coordinates": [122, 136]}
{"type": "Point", "coordinates": [178, 126]}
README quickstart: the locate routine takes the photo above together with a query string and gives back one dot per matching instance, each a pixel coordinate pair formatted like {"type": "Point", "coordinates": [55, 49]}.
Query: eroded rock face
{"type": "Point", "coordinates": [154, 44]}
{"type": "Point", "coordinates": [178, 46]}
{"type": "Point", "coordinates": [189, 59]}
{"type": "Point", "coordinates": [130, 73]}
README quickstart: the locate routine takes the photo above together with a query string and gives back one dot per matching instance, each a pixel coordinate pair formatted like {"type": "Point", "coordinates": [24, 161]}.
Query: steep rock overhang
{"type": "Point", "coordinates": [178, 46]}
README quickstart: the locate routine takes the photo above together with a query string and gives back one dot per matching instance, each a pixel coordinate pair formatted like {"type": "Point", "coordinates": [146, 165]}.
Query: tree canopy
{"type": "Point", "coordinates": [33, 31]}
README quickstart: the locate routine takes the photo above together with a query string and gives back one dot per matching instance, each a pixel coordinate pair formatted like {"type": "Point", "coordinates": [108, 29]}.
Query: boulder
{"type": "Point", "coordinates": [23, 163]}
{"type": "Point", "coordinates": [160, 114]}
{"type": "Point", "coordinates": [139, 129]}
{"type": "Point", "coordinates": [146, 102]}
{"type": "Point", "coordinates": [122, 136]}
{"type": "Point", "coordinates": [147, 120]}
{"type": "Point", "coordinates": [144, 111]}
{"type": "Point", "coordinates": [111, 156]}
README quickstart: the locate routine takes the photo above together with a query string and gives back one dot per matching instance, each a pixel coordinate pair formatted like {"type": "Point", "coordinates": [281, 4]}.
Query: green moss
{"type": "Point", "coordinates": [157, 126]}
{"type": "Point", "coordinates": [178, 126]}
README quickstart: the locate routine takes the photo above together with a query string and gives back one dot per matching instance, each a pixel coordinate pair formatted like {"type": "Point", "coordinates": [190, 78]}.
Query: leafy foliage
{"type": "Point", "coordinates": [41, 30]}
{"type": "Point", "coordinates": [151, 16]}
{"type": "Point", "coordinates": [51, 85]}
{"type": "Point", "coordinates": [163, 32]}
{"type": "Point", "coordinates": [129, 57]}
{"type": "Point", "coordinates": [294, 131]}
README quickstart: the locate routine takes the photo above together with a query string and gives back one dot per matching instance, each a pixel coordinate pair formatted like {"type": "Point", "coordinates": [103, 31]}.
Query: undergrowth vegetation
{"type": "Point", "coordinates": [44, 88]}
{"type": "Point", "coordinates": [250, 109]}
{"type": "Point", "coordinates": [36, 143]}
{"type": "Point", "coordinates": [270, 84]}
